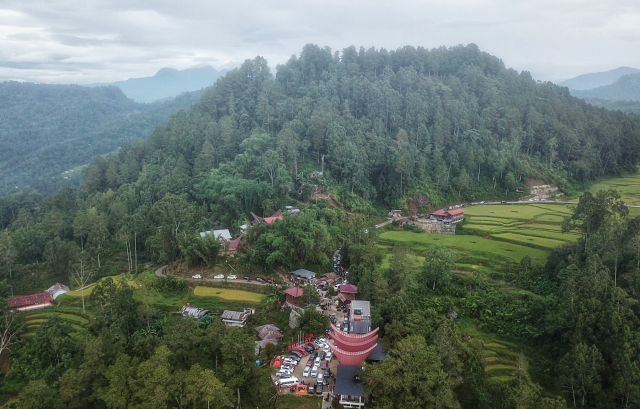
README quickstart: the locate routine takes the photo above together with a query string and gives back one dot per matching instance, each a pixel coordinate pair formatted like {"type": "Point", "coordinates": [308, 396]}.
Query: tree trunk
{"type": "Point", "coordinates": [135, 249]}
{"type": "Point", "coordinates": [238, 389]}
{"type": "Point", "coordinates": [82, 291]}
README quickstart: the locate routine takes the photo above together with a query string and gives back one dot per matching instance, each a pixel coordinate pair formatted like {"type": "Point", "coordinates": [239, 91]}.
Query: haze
{"type": "Point", "coordinates": [70, 41]}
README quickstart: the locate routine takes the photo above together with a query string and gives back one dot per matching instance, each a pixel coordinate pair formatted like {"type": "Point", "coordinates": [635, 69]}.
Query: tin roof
{"type": "Point", "coordinates": [304, 273]}
{"type": "Point", "coordinates": [348, 288]}
{"type": "Point", "coordinates": [33, 299]}
{"type": "Point", "coordinates": [295, 292]}
{"type": "Point", "coordinates": [233, 315]}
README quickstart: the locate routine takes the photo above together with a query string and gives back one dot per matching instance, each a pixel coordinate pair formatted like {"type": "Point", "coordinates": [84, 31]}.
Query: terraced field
{"type": "Point", "coordinates": [227, 294]}
{"type": "Point", "coordinates": [537, 226]}
{"type": "Point", "coordinates": [34, 319]}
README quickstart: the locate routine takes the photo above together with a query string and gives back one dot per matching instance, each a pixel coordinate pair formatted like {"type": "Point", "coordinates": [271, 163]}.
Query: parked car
{"type": "Point", "coordinates": [313, 355]}
{"type": "Point", "coordinates": [320, 378]}
{"type": "Point", "coordinates": [309, 363]}
{"type": "Point", "coordinates": [260, 280]}
{"type": "Point", "coordinates": [303, 351]}
{"type": "Point", "coordinates": [306, 372]}
{"type": "Point", "coordinates": [289, 361]}
{"type": "Point", "coordinates": [322, 355]}
{"type": "Point", "coordinates": [319, 388]}
{"type": "Point", "coordinates": [309, 349]}
{"type": "Point", "coordinates": [248, 278]}
{"type": "Point", "coordinates": [219, 277]}
{"type": "Point", "coordinates": [197, 277]}
{"type": "Point", "coordinates": [296, 353]}
{"type": "Point", "coordinates": [324, 364]}
{"type": "Point", "coordinates": [327, 373]}
{"type": "Point", "coordinates": [287, 382]}
{"type": "Point", "coordinates": [284, 373]}
{"type": "Point", "coordinates": [314, 371]}
{"type": "Point", "coordinates": [232, 277]}
{"type": "Point", "coordinates": [317, 360]}
{"type": "Point", "coordinates": [329, 356]}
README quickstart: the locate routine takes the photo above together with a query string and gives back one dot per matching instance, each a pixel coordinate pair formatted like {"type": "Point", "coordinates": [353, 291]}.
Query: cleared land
{"type": "Point", "coordinates": [227, 295]}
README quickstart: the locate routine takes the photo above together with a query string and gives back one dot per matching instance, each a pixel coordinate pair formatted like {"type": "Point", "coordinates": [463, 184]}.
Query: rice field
{"type": "Point", "coordinates": [34, 319]}
{"type": "Point", "coordinates": [89, 290]}
{"type": "Point", "coordinates": [478, 246]}
{"type": "Point", "coordinates": [227, 294]}
{"type": "Point", "coordinates": [531, 225]}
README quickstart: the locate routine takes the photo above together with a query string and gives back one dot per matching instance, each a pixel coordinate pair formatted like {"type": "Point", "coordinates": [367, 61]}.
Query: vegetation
{"type": "Point", "coordinates": [227, 295]}
{"type": "Point", "coordinates": [342, 136]}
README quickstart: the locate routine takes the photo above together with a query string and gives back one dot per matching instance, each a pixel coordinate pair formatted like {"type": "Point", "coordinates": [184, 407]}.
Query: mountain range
{"type": "Point", "coordinates": [167, 83]}
{"type": "Point", "coordinates": [597, 79]}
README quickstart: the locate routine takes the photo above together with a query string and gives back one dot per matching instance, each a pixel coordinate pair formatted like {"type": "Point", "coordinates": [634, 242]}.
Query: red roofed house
{"type": "Point", "coordinates": [233, 245]}
{"type": "Point", "coordinates": [348, 289]}
{"type": "Point", "coordinates": [293, 296]}
{"type": "Point", "coordinates": [450, 216]}
{"type": "Point", "coordinates": [29, 302]}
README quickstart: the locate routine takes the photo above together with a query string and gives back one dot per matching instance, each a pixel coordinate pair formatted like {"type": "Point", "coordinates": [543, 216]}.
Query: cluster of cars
{"type": "Point", "coordinates": [317, 366]}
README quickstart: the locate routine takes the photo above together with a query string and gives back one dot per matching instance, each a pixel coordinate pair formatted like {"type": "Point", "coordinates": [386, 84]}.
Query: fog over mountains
{"type": "Point", "coordinates": [167, 83]}
{"type": "Point", "coordinates": [597, 79]}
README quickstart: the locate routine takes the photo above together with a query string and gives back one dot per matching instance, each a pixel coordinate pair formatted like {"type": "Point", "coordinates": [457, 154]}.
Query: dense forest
{"type": "Point", "coordinates": [626, 88]}
{"type": "Point", "coordinates": [49, 129]}
{"type": "Point", "coordinates": [372, 128]}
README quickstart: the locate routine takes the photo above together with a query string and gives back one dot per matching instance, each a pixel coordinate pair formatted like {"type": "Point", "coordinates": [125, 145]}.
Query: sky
{"type": "Point", "coordinates": [88, 41]}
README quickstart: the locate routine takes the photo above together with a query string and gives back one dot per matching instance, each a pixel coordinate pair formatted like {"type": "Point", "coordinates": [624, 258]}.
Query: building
{"type": "Point", "coordinates": [352, 349]}
{"type": "Point", "coordinates": [349, 289]}
{"type": "Point", "coordinates": [30, 302]}
{"type": "Point", "coordinates": [303, 274]}
{"type": "Point", "coordinates": [292, 210]}
{"type": "Point", "coordinates": [222, 235]}
{"type": "Point", "coordinates": [268, 334]}
{"type": "Point", "coordinates": [293, 295]}
{"type": "Point", "coordinates": [235, 318]}
{"type": "Point", "coordinates": [449, 216]}
{"type": "Point", "coordinates": [348, 387]}
{"type": "Point", "coordinates": [57, 289]}
{"type": "Point", "coordinates": [359, 317]}
{"type": "Point", "coordinates": [193, 312]}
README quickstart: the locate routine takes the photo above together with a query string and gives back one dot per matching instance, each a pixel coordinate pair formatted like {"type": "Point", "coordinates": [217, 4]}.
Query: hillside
{"type": "Point", "coordinates": [597, 79]}
{"type": "Point", "coordinates": [528, 305]}
{"type": "Point", "coordinates": [626, 88]}
{"type": "Point", "coordinates": [48, 129]}
{"type": "Point", "coordinates": [167, 83]}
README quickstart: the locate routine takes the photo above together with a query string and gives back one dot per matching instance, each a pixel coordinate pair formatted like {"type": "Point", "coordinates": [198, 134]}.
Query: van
{"type": "Point", "coordinates": [286, 382]}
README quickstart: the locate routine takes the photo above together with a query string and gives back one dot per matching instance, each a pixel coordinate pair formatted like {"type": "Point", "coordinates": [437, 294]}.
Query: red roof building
{"type": "Point", "coordinates": [348, 289]}
{"type": "Point", "coordinates": [267, 220]}
{"type": "Point", "coordinates": [450, 216]}
{"type": "Point", "coordinates": [29, 302]}
{"type": "Point", "coordinates": [293, 295]}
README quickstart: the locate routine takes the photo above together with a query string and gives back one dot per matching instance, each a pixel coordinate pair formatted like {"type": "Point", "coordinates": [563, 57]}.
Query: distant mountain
{"type": "Point", "coordinates": [626, 88]}
{"type": "Point", "coordinates": [167, 83]}
{"type": "Point", "coordinates": [597, 79]}
{"type": "Point", "coordinates": [49, 129]}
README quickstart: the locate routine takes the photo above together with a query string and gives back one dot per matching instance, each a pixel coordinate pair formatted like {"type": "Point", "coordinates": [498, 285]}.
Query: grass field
{"type": "Point", "coordinates": [227, 294]}
{"type": "Point", "coordinates": [34, 319]}
{"type": "Point", "coordinates": [89, 290]}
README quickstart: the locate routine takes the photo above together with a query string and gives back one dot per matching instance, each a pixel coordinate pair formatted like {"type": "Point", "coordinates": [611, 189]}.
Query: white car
{"type": "Point", "coordinates": [284, 373]}
{"type": "Point", "coordinates": [314, 371]}
{"type": "Point", "coordinates": [219, 277]}
{"type": "Point", "coordinates": [317, 361]}
{"type": "Point", "coordinates": [289, 361]}
{"type": "Point", "coordinates": [231, 277]}
{"type": "Point", "coordinates": [197, 277]}
{"type": "Point", "coordinates": [306, 372]}
{"type": "Point", "coordinates": [326, 348]}
{"type": "Point", "coordinates": [320, 378]}
{"type": "Point", "coordinates": [329, 356]}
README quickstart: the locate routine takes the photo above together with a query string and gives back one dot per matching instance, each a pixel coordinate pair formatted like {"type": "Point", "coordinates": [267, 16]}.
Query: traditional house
{"type": "Point", "coordinates": [269, 334]}
{"type": "Point", "coordinates": [267, 220]}
{"type": "Point", "coordinates": [57, 289]}
{"type": "Point", "coordinates": [235, 318]}
{"type": "Point", "coordinates": [222, 235]}
{"type": "Point", "coordinates": [195, 313]}
{"type": "Point", "coordinates": [349, 289]}
{"type": "Point", "coordinates": [293, 295]}
{"type": "Point", "coordinates": [30, 302]}
{"type": "Point", "coordinates": [233, 245]}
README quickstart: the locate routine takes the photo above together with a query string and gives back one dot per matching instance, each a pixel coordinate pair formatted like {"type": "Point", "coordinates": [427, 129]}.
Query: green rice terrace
{"type": "Point", "coordinates": [628, 188]}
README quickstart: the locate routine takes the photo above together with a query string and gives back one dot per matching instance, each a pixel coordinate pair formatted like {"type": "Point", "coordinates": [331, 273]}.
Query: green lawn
{"type": "Point", "coordinates": [627, 186]}
{"type": "Point", "coordinates": [479, 246]}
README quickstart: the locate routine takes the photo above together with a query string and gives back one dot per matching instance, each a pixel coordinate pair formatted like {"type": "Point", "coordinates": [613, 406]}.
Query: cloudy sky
{"type": "Point", "coordinates": [73, 41]}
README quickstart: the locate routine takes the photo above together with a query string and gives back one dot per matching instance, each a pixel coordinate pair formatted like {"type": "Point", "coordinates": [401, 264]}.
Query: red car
{"type": "Point", "coordinates": [324, 364]}
{"type": "Point", "coordinates": [303, 351]}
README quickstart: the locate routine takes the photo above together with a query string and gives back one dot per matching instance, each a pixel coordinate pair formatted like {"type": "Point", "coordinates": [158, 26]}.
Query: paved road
{"type": "Point", "coordinates": [160, 273]}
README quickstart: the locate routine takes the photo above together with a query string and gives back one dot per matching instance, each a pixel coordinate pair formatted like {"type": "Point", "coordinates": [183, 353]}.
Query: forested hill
{"type": "Point", "coordinates": [49, 129]}
{"type": "Point", "coordinates": [449, 122]}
